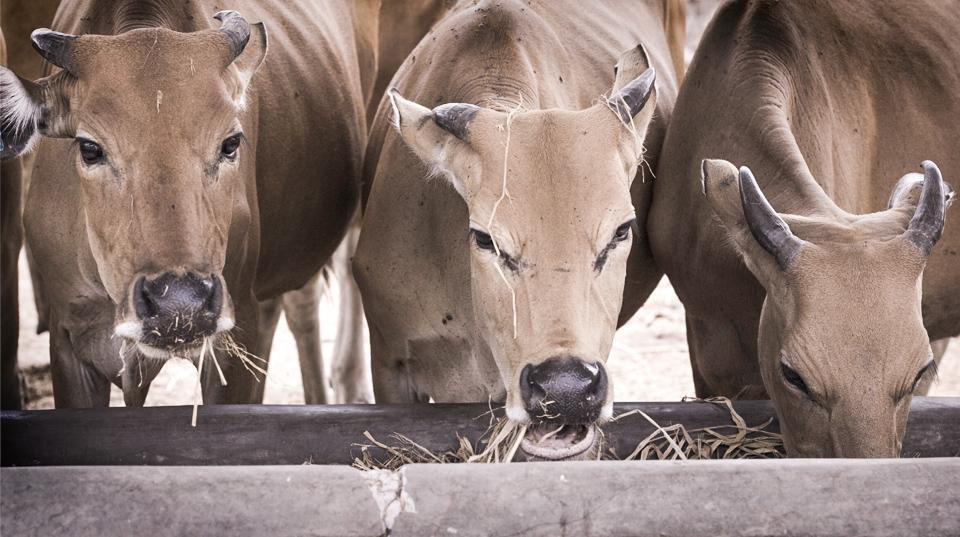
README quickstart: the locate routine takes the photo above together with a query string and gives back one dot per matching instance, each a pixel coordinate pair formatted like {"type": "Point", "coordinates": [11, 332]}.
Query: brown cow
{"type": "Point", "coordinates": [503, 277]}
{"type": "Point", "coordinates": [827, 104]}
{"type": "Point", "coordinates": [194, 186]}
{"type": "Point", "coordinates": [18, 18]}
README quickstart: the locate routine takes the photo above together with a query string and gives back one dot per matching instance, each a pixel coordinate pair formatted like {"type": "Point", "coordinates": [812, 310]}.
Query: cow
{"type": "Point", "coordinates": [17, 17]}
{"type": "Point", "coordinates": [498, 214]}
{"type": "Point", "coordinates": [185, 176]}
{"type": "Point", "coordinates": [800, 273]}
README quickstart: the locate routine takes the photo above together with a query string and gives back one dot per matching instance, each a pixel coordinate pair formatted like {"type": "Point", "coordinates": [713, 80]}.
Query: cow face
{"type": "Point", "coordinates": [550, 228]}
{"type": "Point", "coordinates": [842, 344]}
{"type": "Point", "coordinates": [163, 162]}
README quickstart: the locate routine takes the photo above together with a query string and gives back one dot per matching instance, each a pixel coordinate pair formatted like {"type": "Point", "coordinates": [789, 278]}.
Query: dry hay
{"type": "Point", "coordinates": [675, 442]}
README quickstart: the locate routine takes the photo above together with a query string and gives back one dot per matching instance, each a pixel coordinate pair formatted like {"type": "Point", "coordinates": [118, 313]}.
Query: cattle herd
{"type": "Point", "coordinates": [501, 183]}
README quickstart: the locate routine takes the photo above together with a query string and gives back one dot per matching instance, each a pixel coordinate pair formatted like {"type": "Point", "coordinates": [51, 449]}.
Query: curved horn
{"type": "Point", "coordinates": [236, 29]}
{"type": "Point", "coordinates": [55, 47]}
{"type": "Point", "coordinates": [765, 224]}
{"type": "Point", "coordinates": [455, 117]}
{"type": "Point", "coordinates": [927, 223]}
{"type": "Point", "coordinates": [631, 98]}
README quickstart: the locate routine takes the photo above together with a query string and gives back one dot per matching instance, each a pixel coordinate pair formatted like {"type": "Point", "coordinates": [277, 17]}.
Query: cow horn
{"type": "Point", "coordinates": [455, 117]}
{"type": "Point", "coordinates": [236, 29]}
{"type": "Point", "coordinates": [765, 224]}
{"type": "Point", "coordinates": [55, 47]}
{"type": "Point", "coordinates": [927, 223]}
{"type": "Point", "coordinates": [631, 98]}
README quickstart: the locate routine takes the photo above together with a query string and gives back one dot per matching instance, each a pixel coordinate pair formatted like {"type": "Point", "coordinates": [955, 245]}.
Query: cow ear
{"type": "Point", "coordinates": [440, 137]}
{"type": "Point", "coordinates": [763, 238]}
{"type": "Point", "coordinates": [31, 109]}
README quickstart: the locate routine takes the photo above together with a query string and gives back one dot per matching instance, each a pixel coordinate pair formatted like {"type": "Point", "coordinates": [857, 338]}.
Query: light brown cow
{"type": "Point", "coordinates": [18, 18]}
{"type": "Point", "coordinates": [195, 185]}
{"type": "Point", "coordinates": [828, 103]}
{"type": "Point", "coordinates": [502, 276]}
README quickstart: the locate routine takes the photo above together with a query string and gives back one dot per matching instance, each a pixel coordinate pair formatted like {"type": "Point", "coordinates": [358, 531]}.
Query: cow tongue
{"type": "Point", "coordinates": [556, 441]}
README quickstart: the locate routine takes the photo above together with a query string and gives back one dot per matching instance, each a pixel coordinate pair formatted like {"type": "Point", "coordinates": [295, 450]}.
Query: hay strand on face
{"type": "Point", "coordinates": [208, 347]}
{"type": "Point", "coordinates": [505, 194]}
{"type": "Point", "coordinates": [197, 392]}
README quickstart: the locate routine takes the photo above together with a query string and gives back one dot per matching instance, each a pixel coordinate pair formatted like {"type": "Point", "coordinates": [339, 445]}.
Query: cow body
{"type": "Point", "coordinates": [413, 263]}
{"type": "Point", "coordinates": [828, 103]}
{"type": "Point", "coordinates": [304, 130]}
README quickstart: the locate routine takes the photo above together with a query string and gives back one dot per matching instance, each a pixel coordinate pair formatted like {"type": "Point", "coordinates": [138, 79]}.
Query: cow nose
{"type": "Point", "coordinates": [177, 309]}
{"type": "Point", "coordinates": [564, 389]}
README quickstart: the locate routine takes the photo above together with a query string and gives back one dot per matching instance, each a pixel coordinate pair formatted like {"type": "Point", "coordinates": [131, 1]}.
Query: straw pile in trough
{"type": "Point", "coordinates": [675, 442]}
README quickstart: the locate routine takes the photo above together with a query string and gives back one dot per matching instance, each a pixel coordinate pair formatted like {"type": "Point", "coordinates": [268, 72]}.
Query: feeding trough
{"type": "Point", "coordinates": [331, 434]}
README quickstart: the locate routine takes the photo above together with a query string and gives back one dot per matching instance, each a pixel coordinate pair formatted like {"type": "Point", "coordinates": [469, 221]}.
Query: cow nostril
{"type": "Point", "coordinates": [143, 302]}
{"type": "Point", "coordinates": [214, 301]}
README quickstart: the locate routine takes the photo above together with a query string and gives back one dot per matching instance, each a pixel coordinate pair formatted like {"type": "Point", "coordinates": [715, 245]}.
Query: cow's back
{"type": "Point", "coordinates": [850, 94]}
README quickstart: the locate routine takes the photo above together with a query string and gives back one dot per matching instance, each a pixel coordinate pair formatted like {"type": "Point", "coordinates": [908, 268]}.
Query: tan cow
{"type": "Point", "coordinates": [18, 18]}
{"type": "Point", "coordinates": [500, 218]}
{"type": "Point", "coordinates": [827, 104]}
{"type": "Point", "coordinates": [204, 175]}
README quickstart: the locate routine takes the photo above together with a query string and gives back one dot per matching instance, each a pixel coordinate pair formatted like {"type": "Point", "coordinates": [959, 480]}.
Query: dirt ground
{"type": "Point", "coordinates": [648, 362]}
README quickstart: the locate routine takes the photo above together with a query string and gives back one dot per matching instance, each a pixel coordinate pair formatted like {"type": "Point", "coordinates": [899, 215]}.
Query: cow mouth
{"type": "Point", "coordinates": [153, 344]}
{"type": "Point", "coordinates": [552, 441]}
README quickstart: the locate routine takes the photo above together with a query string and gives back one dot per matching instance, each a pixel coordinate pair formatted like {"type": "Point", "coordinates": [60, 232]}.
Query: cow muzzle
{"type": "Point", "coordinates": [175, 313]}
{"type": "Point", "coordinates": [564, 398]}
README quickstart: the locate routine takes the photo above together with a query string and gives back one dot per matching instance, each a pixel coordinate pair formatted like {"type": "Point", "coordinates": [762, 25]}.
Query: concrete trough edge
{"type": "Point", "coordinates": [800, 497]}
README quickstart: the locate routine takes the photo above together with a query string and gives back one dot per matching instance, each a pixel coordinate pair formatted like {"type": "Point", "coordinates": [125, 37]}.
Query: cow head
{"type": "Point", "coordinates": [842, 344]}
{"type": "Point", "coordinates": [163, 161]}
{"type": "Point", "coordinates": [550, 228]}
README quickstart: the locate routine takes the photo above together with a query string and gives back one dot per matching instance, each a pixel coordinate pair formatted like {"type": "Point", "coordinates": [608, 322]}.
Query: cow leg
{"type": "Point", "coordinates": [10, 309]}
{"type": "Point", "coordinates": [351, 368]}
{"type": "Point", "coordinates": [75, 384]}
{"type": "Point", "coordinates": [723, 355]}
{"type": "Point", "coordinates": [939, 348]}
{"type": "Point", "coordinates": [391, 380]}
{"type": "Point", "coordinates": [302, 310]}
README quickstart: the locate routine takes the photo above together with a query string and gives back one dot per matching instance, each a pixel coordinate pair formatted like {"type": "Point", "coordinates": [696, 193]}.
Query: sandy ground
{"type": "Point", "coordinates": [648, 362]}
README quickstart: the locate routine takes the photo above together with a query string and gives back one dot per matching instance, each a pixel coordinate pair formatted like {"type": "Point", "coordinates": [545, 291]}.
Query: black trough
{"type": "Point", "coordinates": [328, 434]}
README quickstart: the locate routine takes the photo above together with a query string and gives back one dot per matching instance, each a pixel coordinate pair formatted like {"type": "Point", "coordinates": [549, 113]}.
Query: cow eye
{"type": "Point", "coordinates": [794, 378]}
{"type": "Point", "coordinates": [929, 370]}
{"type": "Point", "coordinates": [484, 240]}
{"type": "Point", "coordinates": [623, 232]}
{"type": "Point", "coordinates": [228, 149]}
{"type": "Point", "coordinates": [91, 152]}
